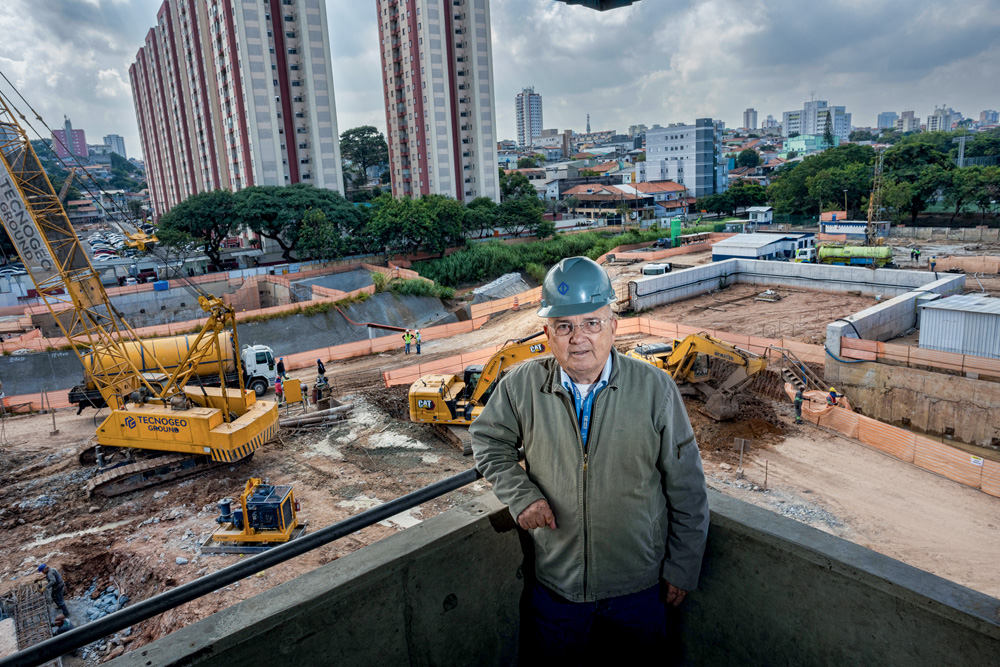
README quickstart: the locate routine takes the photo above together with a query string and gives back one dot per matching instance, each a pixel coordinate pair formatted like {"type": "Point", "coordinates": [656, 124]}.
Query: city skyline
{"type": "Point", "coordinates": [71, 57]}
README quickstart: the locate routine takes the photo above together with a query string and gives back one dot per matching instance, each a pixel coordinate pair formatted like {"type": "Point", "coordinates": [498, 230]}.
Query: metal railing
{"type": "Point", "coordinates": [51, 649]}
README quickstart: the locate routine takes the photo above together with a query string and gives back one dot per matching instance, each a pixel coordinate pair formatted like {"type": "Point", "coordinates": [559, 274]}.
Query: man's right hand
{"type": "Point", "coordinates": [537, 515]}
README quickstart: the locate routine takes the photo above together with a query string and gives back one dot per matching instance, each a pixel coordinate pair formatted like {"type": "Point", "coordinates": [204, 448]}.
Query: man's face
{"type": "Point", "coordinates": [580, 354]}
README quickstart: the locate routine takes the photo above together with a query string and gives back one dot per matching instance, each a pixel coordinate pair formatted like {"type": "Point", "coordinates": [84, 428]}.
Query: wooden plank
{"type": "Point", "coordinates": [858, 344]}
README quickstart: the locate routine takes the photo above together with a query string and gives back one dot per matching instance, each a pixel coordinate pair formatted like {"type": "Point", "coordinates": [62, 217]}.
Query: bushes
{"type": "Point", "coordinates": [485, 261]}
{"type": "Point", "coordinates": [417, 287]}
{"type": "Point", "coordinates": [536, 271]}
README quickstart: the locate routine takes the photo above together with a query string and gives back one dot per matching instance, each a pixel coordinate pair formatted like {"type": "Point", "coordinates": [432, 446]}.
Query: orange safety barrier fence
{"type": "Point", "coordinates": [937, 457]}
{"type": "Point", "coordinates": [981, 264]}
{"type": "Point", "coordinates": [24, 403]}
{"type": "Point", "coordinates": [870, 350]}
{"type": "Point", "coordinates": [500, 305]}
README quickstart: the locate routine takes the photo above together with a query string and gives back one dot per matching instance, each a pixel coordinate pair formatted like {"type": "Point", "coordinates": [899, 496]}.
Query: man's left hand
{"type": "Point", "coordinates": [672, 595]}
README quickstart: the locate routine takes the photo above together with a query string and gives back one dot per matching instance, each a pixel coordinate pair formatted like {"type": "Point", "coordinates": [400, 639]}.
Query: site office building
{"type": "Point", "coordinates": [234, 93]}
{"type": "Point", "coordinates": [437, 65]}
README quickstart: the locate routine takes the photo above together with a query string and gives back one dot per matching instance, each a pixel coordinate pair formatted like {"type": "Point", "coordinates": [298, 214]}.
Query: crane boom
{"type": "Point", "coordinates": [875, 202]}
{"type": "Point", "coordinates": [212, 425]}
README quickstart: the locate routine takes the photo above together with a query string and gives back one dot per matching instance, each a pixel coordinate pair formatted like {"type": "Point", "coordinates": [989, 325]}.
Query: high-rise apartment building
{"type": "Point", "coordinates": [117, 144]}
{"type": "Point", "coordinates": [989, 117]}
{"type": "Point", "coordinates": [750, 119]}
{"type": "Point", "coordinates": [940, 120]}
{"type": "Point", "coordinates": [68, 142]}
{"type": "Point", "coordinates": [814, 117]}
{"type": "Point", "coordinates": [907, 122]}
{"type": "Point", "coordinates": [528, 108]}
{"type": "Point", "coordinates": [687, 154]}
{"type": "Point", "coordinates": [234, 93]}
{"type": "Point", "coordinates": [887, 120]}
{"type": "Point", "coordinates": [437, 68]}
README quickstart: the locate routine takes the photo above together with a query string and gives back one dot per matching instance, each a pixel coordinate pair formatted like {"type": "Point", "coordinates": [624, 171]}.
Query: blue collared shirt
{"type": "Point", "coordinates": [584, 403]}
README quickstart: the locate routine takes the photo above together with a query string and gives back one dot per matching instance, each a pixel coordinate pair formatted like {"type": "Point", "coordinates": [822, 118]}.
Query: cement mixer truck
{"type": "Point", "coordinates": [846, 255]}
{"type": "Point", "coordinates": [255, 362]}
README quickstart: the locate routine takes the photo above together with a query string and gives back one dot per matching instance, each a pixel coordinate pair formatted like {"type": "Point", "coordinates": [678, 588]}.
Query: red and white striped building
{"type": "Point", "coordinates": [234, 93]}
{"type": "Point", "coordinates": [437, 64]}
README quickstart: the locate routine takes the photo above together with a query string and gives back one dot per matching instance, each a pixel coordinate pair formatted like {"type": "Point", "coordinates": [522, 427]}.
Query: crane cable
{"type": "Point", "coordinates": [190, 286]}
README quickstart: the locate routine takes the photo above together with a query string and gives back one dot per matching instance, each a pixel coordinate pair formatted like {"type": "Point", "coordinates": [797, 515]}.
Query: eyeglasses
{"type": "Point", "coordinates": [594, 326]}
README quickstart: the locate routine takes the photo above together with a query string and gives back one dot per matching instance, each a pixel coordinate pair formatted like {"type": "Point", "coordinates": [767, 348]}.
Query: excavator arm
{"type": "Point", "coordinates": [513, 353]}
{"type": "Point", "coordinates": [680, 361]}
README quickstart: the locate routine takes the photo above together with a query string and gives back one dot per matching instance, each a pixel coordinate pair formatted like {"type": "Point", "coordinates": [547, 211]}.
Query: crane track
{"type": "Point", "coordinates": [151, 472]}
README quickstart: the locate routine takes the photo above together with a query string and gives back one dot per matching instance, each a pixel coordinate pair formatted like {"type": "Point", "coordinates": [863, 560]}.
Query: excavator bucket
{"type": "Point", "coordinates": [721, 406]}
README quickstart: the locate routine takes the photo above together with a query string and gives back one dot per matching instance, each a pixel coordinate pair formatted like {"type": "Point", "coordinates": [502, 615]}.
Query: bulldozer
{"type": "Point", "coordinates": [686, 360]}
{"type": "Point", "coordinates": [449, 401]}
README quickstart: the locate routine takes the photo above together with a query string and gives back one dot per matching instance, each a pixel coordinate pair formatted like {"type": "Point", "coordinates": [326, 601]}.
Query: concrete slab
{"type": "Point", "coordinates": [345, 282]}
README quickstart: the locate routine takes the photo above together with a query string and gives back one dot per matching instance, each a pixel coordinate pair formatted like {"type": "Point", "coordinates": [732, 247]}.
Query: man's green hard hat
{"type": "Point", "coordinates": [575, 286]}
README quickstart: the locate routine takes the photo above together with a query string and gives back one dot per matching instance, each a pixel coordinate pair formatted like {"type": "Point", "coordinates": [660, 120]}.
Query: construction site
{"type": "Point", "coordinates": [154, 436]}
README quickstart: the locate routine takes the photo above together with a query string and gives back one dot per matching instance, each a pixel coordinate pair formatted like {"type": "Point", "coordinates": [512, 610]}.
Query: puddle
{"type": "Point", "coordinates": [87, 531]}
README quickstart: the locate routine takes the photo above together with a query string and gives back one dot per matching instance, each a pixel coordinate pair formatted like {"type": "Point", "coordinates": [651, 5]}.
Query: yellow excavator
{"type": "Point", "coordinates": [686, 360]}
{"type": "Point", "coordinates": [185, 427]}
{"type": "Point", "coordinates": [449, 400]}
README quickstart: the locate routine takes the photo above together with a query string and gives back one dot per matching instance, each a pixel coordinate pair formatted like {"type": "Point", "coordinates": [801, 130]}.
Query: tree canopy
{"type": "Point", "coordinates": [362, 148]}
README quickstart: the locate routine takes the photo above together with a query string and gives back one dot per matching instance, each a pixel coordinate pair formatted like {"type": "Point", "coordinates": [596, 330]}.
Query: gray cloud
{"type": "Point", "coordinates": [658, 61]}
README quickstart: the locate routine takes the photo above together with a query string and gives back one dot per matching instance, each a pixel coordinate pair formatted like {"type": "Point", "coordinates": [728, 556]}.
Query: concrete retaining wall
{"type": "Point", "coordinates": [686, 283]}
{"type": "Point", "coordinates": [773, 592]}
{"type": "Point", "coordinates": [960, 234]}
{"type": "Point", "coordinates": [896, 316]}
{"type": "Point", "coordinates": [30, 373]}
{"type": "Point", "coordinates": [926, 401]}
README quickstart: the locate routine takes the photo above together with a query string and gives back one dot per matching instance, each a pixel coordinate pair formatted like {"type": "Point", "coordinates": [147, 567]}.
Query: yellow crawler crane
{"type": "Point", "coordinates": [194, 426]}
{"type": "Point", "coordinates": [686, 360]}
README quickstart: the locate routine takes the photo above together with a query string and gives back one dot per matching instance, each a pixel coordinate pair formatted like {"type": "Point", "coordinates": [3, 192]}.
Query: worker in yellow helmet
{"type": "Point", "coordinates": [831, 398]}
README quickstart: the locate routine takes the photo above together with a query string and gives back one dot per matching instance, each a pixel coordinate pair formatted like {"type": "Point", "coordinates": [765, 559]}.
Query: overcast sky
{"type": "Point", "coordinates": [659, 61]}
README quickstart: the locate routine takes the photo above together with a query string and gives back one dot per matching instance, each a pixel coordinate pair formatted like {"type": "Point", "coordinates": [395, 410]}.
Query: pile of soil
{"type": "Point", "coordinates": [394, 401]}
{"type": "Point", "coordinates": [757, 421]}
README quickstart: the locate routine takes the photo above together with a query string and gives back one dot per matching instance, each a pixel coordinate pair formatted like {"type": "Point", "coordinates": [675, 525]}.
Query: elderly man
{"type": "Point", "coordinates": [612, 491]}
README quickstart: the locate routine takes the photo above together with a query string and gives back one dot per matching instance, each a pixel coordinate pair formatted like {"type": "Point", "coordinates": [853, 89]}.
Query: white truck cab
{"type": "Point", "coordinates": [258, 368]}
{"type": "Point", "coordinates": [806, 255]}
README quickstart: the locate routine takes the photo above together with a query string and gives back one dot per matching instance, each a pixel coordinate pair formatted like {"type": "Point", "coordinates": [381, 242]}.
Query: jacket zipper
{"type": "Point", "coordinates": [586, 457]}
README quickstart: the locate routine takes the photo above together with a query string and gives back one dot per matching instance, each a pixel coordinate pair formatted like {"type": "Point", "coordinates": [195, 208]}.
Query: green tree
{"type": "Point", "coordinates": [528, 162]}
{"type": "Point", "coordinates": [401, 225]}
{"type": "Point", "coordinates": [449, 216]}
{"type": "Point", "coordinates": [319, 238]}
{"type": "Point", "coordinates": [828, 132]}
{"type": "Point", "coordinates": [640, 157]}
{"type": "Point", "coordinates": [988, 194]}
{"type": "Point", "coordinates": [923, 167]}
{"type": "Point", "coordinates": [175, 246]}
{"type": "Point", "coordinates": [748, 158]}
{"type": "Point", "coordinates": [984, 144]}
{"type": "Point", "coordinates": [961, 187]}
{"type": "Point", "coordinates": [362, 148]}
{"type": "Point", "coordinates": [828, 186]}
{"type": "Point", "coordinates": [589, 173]}
{"type": "Point", "coordinates": [789, 190]}
{"type": "Point", "coordinates": [135, 209]}
{"type": "Point", "coordinates": [481, 216]}
{"type": "Point", "coordinates": [861, 135]}
{"type": "Point", "coordinates": [276, 212]}
{"type": "Point", "coordinates": [514, 185]}
{"type": "Point", "coordinates": [520, 215]}
{"type": "Point", "coordinates": [208, 216]}
{"type": "Point", "coordinates": [742, 193]}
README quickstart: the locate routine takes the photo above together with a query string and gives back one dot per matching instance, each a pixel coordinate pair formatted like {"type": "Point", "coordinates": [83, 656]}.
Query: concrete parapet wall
{"type": "Point", "coordinates": [772, 591]}
{"type": "Point", "coordinates": [926, 401]}
{"type": "Point", "coordinates": [686, 283]}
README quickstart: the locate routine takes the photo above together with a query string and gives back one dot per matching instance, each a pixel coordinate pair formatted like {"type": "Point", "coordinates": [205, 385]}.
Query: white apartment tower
{"type": "Point", "coordinates": [812, 120]}
{"type": "Point", "coordinates": [750, 119]}
{"type": "Point", "coordinates": [234, 93]}
{"type": "Point", "coordinates": [940, 120]}
{"type": "Point", "coordinates": [528, 108]}
{"type": "Point", "coordinates": [437, 68]}
{"type": "Point", "coordinates": [690, 155]}
{"type": "Point", "coordinates": [117, 144]}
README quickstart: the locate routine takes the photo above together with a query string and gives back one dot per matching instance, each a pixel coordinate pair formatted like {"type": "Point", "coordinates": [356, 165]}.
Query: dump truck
{"type": "Point", "coordinates": [255, 362]}
{"type": "Point", "coordinates": [848, 255]}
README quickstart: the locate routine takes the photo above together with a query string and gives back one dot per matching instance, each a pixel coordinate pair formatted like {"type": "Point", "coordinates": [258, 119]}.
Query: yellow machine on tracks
{"type": "Point", "coordinates": [196, 426]}
{"type": "Point", "coordinates": [448, 401]}
{"type": "Point", "coordinates": [686, 360]}
{"type": "Point", "coordinates": [266, 515]}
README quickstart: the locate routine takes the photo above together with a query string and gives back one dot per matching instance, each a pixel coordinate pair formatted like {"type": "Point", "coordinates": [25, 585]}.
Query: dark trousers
{"type": "Point", "coordinates": [584, 632]}
{"type": "Point", "coordinates": [57, 597]}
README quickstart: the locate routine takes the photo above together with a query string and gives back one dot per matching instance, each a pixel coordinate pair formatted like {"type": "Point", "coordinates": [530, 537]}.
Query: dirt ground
{"type": "Point", "coordinates": [142, 543]}
{"type": "Point", "coordinates": [736, 310]}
